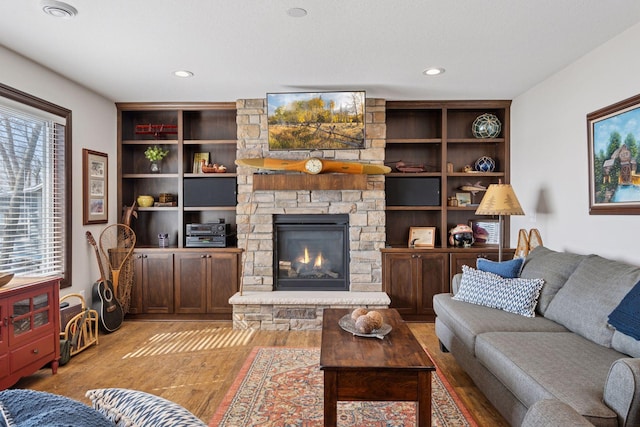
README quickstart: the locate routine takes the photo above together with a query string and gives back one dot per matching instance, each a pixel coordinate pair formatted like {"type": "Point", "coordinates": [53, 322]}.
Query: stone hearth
{"type": "Point", "coordinates": [257, 305]}
{"type": "Point", "coordinates": [292, 310]}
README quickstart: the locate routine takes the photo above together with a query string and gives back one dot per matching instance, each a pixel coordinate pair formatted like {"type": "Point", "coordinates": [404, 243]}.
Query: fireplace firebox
{"type": "Point", "coordinates": [311, 252]}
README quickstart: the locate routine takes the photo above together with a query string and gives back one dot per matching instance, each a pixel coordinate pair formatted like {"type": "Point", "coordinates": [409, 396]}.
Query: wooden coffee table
{"type": "Point", "coordinates": [395, 368]}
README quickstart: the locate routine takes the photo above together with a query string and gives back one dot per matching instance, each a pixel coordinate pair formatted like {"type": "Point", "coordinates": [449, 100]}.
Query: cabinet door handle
{"type": "Point", "coordinates": [36, 351]}
{"type": "Point", "coordinates": [203, 256]}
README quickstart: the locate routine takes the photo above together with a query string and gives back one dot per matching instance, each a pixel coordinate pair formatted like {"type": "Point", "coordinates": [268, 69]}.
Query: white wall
{"type": "Point", "coordinates": [93, 127]}
{"type": "Point", "coordinates": [549, 152]}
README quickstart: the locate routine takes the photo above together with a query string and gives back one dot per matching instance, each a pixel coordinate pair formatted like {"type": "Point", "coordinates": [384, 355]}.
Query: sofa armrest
{"type": "Point", "coordinates": [455, 283]}
{"type": "Point", "coordinates": [622, 391]}
{"type": "Point", "coordinates": [553, 413]}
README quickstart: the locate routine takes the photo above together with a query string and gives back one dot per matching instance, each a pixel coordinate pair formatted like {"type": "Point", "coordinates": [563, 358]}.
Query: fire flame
{"type": "Point", "coordinates": [306, 259]}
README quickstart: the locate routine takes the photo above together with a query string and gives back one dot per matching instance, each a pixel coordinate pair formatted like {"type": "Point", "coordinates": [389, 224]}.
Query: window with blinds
{"type": "Point", "coordinates": [33, 189]}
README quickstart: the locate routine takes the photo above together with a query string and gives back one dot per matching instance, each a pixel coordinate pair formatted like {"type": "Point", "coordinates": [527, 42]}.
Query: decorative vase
{"type": "Point", "coordinates": [145, 201]}
{"type": "Point", "coordinates": [486, 126]}
{"type": "Point", "coordinates": [154, 166]}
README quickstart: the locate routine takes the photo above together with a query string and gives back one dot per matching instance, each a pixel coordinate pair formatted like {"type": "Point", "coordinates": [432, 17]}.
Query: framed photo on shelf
{"type": "Point", "coordinates": [614, 182]}
{"type": "Point", "coordinates": [464, 199]}
{"type": "Point", "coordinates": [486, 231]}
{"type": "Point", "coordinates": [197, 161]}
{"type": "Point", "coordinates": [95, 208]}
{"type": "Point", "coordinates": [422, 237]}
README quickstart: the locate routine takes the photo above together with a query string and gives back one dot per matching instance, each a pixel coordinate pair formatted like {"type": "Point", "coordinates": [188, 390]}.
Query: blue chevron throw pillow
{"type": "Point", "coordinates": [133, 408]}
{"type": "Point", "coordinates": [519, 296]}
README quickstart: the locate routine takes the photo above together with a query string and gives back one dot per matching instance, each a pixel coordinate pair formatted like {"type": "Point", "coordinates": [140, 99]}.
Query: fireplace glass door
{"type": "Point", "coordinates": [311, 252]}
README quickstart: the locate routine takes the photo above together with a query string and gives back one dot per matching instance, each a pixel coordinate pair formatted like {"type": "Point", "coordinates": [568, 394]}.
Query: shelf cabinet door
{"type": "Point", "coordinates": [398, 281]}
{"type": "Point", "coordinates": [153, 283]}
{"type": "Point", "coordinates": [411, 279]}
{"type": "Point", "coordinates": [192, 276]}
{"type": "Point", "coordinates": [431, 279]}
{"type": "Point", "coordinates": [4, 341]}
{"type": "Point", "coordinates": [225, 274]}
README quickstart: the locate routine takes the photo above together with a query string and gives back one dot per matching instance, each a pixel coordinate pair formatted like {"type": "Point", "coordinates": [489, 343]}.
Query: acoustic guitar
{"type": "Point", "coordinates": [104, 301]}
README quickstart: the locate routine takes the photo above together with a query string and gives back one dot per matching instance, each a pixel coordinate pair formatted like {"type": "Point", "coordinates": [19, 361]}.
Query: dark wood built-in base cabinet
{"type": "Point", "coordinates": [187, 283]}
{"type": "Point", "coordinates": [411, 277]}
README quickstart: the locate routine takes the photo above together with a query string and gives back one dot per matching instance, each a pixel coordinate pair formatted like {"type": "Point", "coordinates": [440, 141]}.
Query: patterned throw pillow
{"type": "Point", "coordinates": [132, 408]}
{"type": "Point", "coordinates": [518, 296]}
{"type": "Point", "coordinates": [509, 269]}
{"type": "Point", "coordinates": [31, 408]}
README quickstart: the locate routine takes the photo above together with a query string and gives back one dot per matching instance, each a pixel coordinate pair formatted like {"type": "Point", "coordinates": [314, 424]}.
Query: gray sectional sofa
{"type": "Point", "coordinates": [568, 352]}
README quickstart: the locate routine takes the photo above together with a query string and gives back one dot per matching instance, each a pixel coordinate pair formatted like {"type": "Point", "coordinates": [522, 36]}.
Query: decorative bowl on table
{"type": "Point", "coordinates": [5, 278]}
{"type": "Point", "coordinates": [145, 201]}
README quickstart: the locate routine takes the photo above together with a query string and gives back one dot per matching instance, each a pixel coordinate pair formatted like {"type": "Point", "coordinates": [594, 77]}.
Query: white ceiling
{"type": "Point", "coordinates": [127, 50]}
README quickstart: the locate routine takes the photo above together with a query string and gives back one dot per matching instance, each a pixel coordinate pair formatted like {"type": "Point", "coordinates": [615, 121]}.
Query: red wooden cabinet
{"type": "Point", "coordinates": [29, 328]}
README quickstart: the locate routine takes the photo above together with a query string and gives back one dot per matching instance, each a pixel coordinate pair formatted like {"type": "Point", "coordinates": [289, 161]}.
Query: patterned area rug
{"type": "Point", "coordinates": [281, 386]}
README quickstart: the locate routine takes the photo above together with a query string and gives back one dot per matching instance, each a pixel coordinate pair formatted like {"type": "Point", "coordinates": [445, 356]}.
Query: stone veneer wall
{"type": "Point", "coordinates": [255, 210]}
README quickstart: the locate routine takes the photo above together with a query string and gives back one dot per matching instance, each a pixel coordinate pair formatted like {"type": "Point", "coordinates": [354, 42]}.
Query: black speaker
{"type": "Point", "coordinates": [210, 191]}
{"type": "Point", "coordinates": [413, 191]}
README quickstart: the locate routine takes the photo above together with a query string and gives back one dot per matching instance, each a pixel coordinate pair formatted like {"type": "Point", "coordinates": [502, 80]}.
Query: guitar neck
{"type": "Point", "coordinates": [92, 241]}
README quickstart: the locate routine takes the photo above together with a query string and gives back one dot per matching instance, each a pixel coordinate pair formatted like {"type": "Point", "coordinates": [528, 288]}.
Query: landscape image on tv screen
{"type": "Point", "coordinates": [316, 120]}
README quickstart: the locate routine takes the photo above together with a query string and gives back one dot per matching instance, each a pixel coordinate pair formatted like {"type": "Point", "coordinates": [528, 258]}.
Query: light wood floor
{"type": "Point", "coordinates": [198, 379]}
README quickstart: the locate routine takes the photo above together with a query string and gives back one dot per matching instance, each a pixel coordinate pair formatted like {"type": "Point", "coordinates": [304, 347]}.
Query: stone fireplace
{"type": "Point", "coordinates": [257, 305]}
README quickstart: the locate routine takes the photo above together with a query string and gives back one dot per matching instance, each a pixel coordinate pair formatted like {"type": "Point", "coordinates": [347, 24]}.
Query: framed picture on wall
{"type": "Point", "coordinates": [422, 237]}
{"type": "Point", "coordinates": [614, 156]}
{"type": "Point", "coordinates": [95, 207]}
{"type": "Point", "coordinates": [485, 231]}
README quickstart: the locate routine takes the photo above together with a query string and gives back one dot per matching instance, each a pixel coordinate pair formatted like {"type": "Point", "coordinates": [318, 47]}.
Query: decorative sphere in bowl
{"type": "Point", "coordinates": [145, 201]}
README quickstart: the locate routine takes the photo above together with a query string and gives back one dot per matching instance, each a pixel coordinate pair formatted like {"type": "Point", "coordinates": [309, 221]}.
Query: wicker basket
{"type": "Point", "coordinates": [81, 329]}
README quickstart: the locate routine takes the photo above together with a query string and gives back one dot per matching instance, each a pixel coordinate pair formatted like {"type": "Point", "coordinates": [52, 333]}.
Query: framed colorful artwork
{"type": "Point", "coordinates": [614, 178]}
{"type": "Point", "coordinates": [94, 187]}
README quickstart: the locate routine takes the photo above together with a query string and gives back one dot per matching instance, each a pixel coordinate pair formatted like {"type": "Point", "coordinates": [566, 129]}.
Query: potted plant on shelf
{"type": "Point", "coordinates": [155, 154]}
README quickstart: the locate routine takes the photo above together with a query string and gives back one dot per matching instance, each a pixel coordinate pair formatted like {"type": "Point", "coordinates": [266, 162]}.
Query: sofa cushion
{"type": "Point", "coordinates": [467, 320]}
{"type": "Point", "coordinates": [563, 365]}
{"type": "Point", "coordinates": [518, 296]}
{"type": "Point", "coordinates": [625, 344]}
{"type": "Point", "coordinates": [594, 289]}
{"type": "Point", "coordinates": [553, 413]}
{"type": "Point", "coordinates": [509, 269]}
{"type": "Point", "coordinates": [133, 408]}
{"type": "Point", "coordinates": [554, 267]}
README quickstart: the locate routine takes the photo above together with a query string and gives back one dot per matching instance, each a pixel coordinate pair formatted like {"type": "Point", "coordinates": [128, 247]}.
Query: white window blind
{"type": "Point", "coordinates": [32, 193]}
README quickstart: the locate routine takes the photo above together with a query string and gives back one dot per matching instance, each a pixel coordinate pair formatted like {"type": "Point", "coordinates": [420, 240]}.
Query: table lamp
{"type": "Point", "coordinates": [500, 200]}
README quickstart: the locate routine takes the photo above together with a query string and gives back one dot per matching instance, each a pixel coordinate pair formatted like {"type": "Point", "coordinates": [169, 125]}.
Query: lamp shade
{"type": "Point", "coordinates": [499, 199]}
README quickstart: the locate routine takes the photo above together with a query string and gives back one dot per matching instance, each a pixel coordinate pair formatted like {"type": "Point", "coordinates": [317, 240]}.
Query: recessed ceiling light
{"type": "Point", "coordinates": [433, 71]}
{"type": "Point", "coordinates": [58, 9]}
{"type": "Point", "coordinates": [183, 73]}
{"type": "Point", "coordinates": [297, 12]}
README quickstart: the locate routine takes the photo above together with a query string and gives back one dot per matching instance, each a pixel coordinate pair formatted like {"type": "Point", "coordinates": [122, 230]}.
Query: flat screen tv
{"type": "Point", "coordinates": [316, 120]}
